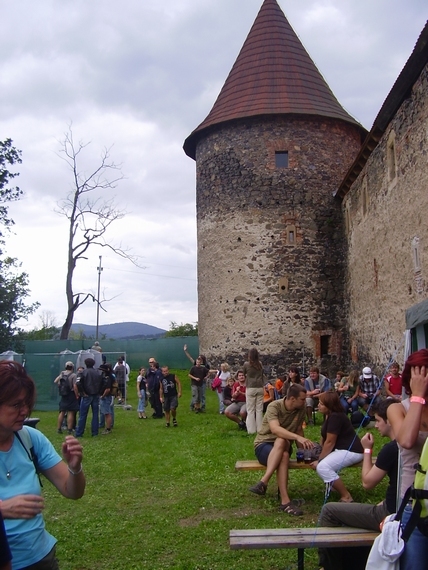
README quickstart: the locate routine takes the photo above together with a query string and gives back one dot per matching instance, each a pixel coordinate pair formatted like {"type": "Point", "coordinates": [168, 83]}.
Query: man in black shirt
{"type": "Point", "coordinates": [89, 386]}
{"type": "Point", "coordinates": [364, 515]}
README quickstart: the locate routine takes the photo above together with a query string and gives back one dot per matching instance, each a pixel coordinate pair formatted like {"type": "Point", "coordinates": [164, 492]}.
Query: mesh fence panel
{"type": "Point", "coordinates": [44, 360]}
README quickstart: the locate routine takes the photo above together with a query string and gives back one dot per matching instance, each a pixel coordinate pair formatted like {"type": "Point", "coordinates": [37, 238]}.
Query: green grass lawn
{"type": "Point", "coordinates": [160, 498]}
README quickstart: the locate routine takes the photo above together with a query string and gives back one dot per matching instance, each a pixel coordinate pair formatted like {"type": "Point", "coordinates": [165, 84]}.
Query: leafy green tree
{"type": "Point", "coordinates": [13, 283]}
{"type": "Point", "coordinates": [9, 156]}
{"type": "Point", "coordinates": [183, 329]}
{"type": "Point", "coordinates": [13, 292]}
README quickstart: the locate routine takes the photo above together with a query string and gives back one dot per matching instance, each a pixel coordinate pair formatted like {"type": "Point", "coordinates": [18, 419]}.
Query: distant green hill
{"type": "Point", "coordinates": [119, 330]}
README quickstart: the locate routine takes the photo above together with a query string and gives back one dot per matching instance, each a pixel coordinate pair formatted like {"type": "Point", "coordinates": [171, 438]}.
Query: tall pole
{"type": "Point", "coordinates": [99, 268]}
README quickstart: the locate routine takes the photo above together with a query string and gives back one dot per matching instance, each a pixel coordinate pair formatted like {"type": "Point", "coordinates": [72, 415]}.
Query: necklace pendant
{"type": "Point", "coordinates": [8, 475]}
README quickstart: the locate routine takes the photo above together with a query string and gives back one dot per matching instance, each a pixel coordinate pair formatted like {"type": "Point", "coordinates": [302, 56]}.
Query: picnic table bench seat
{"type": "Point", "coordinates": [301, 538]}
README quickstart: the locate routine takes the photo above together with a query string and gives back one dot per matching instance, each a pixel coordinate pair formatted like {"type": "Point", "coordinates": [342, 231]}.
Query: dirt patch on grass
{"type": "Point", "coordinates": [212, 514]}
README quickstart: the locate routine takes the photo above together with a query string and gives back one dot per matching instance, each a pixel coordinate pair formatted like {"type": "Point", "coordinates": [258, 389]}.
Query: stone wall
{"type": "Point", "coordinates": [271, 243]}
{"type": "Point", "coordinates": [386, 215]}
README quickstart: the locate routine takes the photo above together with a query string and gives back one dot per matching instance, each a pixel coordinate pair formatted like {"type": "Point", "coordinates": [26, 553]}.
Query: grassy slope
{"type": "Point", "coordinates": [166, 498]}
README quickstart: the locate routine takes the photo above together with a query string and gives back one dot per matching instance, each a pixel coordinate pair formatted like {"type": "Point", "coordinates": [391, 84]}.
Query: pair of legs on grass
{"type": "Point", "coordinates": [276, 456]}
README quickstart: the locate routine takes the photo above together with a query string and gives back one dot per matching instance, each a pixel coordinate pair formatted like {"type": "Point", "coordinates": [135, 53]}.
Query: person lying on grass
{"type": "Point", "coordinates": [281, 425]}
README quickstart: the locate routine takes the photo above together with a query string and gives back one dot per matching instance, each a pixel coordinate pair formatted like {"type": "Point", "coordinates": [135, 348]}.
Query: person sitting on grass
{"type": "Point", "coordinates": [281, 425]}
{"type": "Point", "coordinates": [268, 395]}
{"type": "Point", "coordinates": [227, 391]}
{"type": "Point", "coordinates": [237, 410]}
{"type": "Point", "coordinates": [364, 515]}
{"type": "Point", "coordinates": [349, 391]}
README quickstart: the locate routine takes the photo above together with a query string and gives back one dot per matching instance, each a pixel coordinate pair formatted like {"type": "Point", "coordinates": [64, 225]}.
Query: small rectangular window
{"type": "Point", "coordinates": [325, 345]}
{"type": "Point", "coordinates": [281, 159]}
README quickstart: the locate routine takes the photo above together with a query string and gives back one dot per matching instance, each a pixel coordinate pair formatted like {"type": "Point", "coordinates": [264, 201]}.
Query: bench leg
{"type": "Point", "coordinates": [300, 558]}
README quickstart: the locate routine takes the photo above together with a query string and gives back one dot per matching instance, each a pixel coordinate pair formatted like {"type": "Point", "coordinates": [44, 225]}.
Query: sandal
{"type": "Point", "coordinates": [291, 509]}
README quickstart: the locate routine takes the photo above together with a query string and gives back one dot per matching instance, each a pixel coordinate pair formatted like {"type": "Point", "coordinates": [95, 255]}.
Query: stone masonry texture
{"type": "Point", "coordinates": [271, 240]}
{"type": "Point", "coordinates": [386, 216]}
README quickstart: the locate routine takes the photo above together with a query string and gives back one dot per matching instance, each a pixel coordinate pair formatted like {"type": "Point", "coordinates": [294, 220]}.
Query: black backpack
{"type": "Point", "coordinates": [64, 385]}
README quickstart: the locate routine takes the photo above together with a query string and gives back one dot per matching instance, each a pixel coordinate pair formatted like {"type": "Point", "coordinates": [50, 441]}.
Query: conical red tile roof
{"type": "Point", "coordinates": [273, 74]}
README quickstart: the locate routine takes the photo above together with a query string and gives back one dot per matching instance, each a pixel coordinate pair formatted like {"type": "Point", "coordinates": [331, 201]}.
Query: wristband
{"type": "Point", "coordinates": [417, 400]}
{"type": "Point", "coordinates": [75, 472]}
{"type": "Point", "coordinates": [368, 451]}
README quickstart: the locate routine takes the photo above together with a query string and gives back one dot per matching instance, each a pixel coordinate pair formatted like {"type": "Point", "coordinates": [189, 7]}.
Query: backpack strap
{"type": "Point", "coordinates": [24, 438]}
{"type": "Point", "coordinates": [412, 523]}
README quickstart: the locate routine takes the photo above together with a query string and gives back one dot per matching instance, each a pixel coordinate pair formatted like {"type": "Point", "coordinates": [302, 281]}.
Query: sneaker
{"type": "Point", "coordinates": [242, 425]}
{"type": "Point", "coordinates": [259, 488]}
{"type": "Point", "coordinates": [174, 422]}
{"type": "Point", "coordinates": [144, 417]}
{"type": "Point", "coordinates": [59, 431]}
{"type": "Point", "coordinates": [106, 432]}
{"type": "Point", "coordinates": [167, 425]}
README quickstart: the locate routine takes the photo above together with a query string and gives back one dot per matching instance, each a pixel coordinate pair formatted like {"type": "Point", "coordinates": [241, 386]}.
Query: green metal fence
{"type": "Point", "coordinates": [44, 360]}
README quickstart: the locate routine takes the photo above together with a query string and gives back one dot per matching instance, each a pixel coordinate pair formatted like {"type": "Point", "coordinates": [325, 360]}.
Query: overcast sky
{"type": "Point", "coordinates": [140, 75]}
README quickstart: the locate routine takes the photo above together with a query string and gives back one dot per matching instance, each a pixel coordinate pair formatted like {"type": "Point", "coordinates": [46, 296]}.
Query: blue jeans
{"type": "Point", "coordinates": [353, 405]}
{"type": "Point", "coordinates": [87, 402]}
{"type": "Point", "coordinates": [204, 389]}
{"type": "Point", "coordinates": [103, 418]}
{"type": "Point", "coordinates": [142, 403]}
{"type": "Point", "coordinates": [415, 553]}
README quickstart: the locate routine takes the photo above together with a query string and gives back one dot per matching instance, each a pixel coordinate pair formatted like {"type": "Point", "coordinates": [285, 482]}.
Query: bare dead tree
{"type": "Point", "coordinates": [89, 215]}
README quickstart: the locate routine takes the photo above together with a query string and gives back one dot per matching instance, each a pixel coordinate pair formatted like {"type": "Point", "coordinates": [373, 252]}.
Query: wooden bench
{"type": "Point", "coordinates": [254, 465]}
{"type": "Point", "coordinates": [301, 538]}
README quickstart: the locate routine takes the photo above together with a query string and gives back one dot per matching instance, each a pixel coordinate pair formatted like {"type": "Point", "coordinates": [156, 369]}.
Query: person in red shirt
{"type": "Point", "coordinates": [237, 411]}
{"type": "Point", "coordinates": [393, 382]}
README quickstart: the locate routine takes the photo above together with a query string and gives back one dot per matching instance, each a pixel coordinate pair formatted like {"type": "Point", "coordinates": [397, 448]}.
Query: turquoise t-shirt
{"type": "Point", "coordinates": [28, 539]}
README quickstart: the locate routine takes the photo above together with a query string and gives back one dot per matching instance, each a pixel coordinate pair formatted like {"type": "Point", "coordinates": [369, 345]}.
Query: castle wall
{"type": "Point", "coordinates": [271, 244]}
{"type": "Point", "coordinates": [386, 215]}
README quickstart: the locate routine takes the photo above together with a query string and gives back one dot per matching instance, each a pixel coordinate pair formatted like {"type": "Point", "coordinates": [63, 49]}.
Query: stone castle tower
{"type": "Point", "coordinates": [271, 250]}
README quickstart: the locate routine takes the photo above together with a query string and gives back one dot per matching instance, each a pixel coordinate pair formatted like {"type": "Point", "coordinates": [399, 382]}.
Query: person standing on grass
{"type": "Point", "coordinates": [170, 391]}
{"type": "Point", "coordinates": [106, 399]}
{"type": "Point", "coordinates": [120, 371]}
{"type": "Point", "coordinates": [153, 381]}
{"type": "Point", "coordinates": [282, 424]}
{"type": "Point", "coordinates": [141, 393]}
{"type": "Point", "coordinates": [365, 515]}
{"type": "Point", "coordinates": [22, 503]}
{"type": "Point", "coordinates": [254, 377]}
{"type": "Point", "coordinates": [236, 410]}
{"type": "Point", "coordinates": [89, 386]}
{"type": "Point", "coordinates": [198, 374]}
{"type": "Point", "coordinates": [204, 362]}
{"type": "Point", "coordinates": [69, 403]}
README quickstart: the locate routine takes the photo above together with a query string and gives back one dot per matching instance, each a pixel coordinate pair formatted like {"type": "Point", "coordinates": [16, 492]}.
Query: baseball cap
{"type": "Point", "coordinates": [367, 372]}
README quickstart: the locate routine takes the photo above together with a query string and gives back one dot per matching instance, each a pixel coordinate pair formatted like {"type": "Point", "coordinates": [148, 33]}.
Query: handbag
{"type": "Point", "coordinates": [216, 384]}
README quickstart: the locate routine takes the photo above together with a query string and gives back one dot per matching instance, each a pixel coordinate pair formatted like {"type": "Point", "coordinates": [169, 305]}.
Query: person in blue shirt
{"type": "Point", "coordinates": [21, 502]}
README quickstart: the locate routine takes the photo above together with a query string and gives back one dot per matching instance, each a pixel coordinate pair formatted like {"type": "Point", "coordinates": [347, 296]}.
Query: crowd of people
{"type": "Point", "coordinates": [275, 411]}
